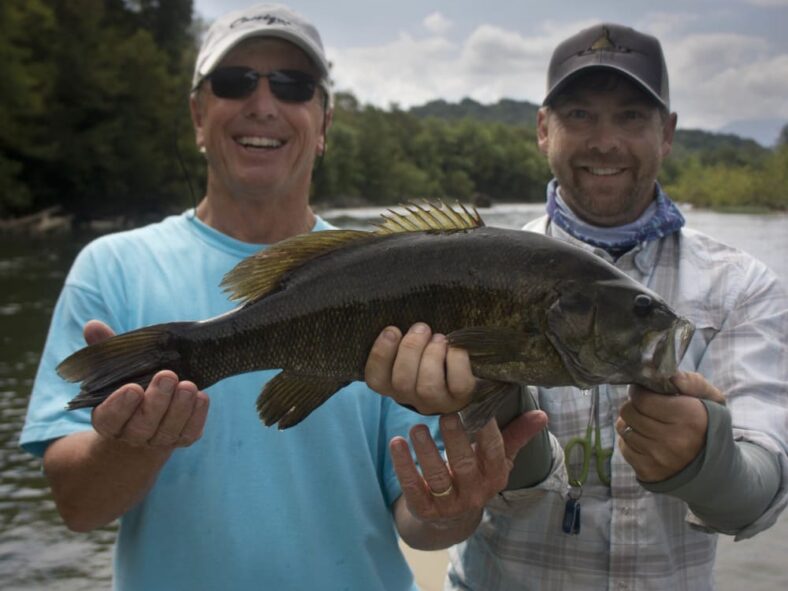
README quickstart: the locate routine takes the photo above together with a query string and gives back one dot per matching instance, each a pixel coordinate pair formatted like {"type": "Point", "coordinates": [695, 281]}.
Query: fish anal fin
{"type": "Point", "coordinates": [289, 397]}
{"type": "Point", "coordinates": [488, 397]}
{"type": "Point", "coordinates": [426, 216]}
{"type": "Point", "coordinates": [261, 273]}
{"type": "Point", "coordinates": [490, 344]}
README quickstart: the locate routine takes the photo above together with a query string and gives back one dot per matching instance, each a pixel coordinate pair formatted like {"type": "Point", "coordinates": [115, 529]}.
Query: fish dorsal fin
{"type": "Point", "coordinates": [437, 217]}
{"type": "Point", "coordinates": [261, 273]}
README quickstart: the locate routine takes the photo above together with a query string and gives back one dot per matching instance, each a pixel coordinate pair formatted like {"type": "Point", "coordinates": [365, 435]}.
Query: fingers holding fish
{"type": "Point", "coordinates": [459, 378]}
{"type": "Point", "coordinates": [110, 417]}
{"type": "Point", "coordinates": [96, 331]}
{"type": "Point", "coordinates": [691, 383]}
{"type": "Point", "coordinates": [668, 432]}
{"type": "Point", "coordinates": [195, 424]}
{"type": "Point", "coordinates": [181, 409]}
{"type": "Point", "coordinates": [408, 373]}
{"type": "Point", "coordinates": [168, 413]}
{"type": "Point", "coordinates": [419, 369]}
{"type": "Point", "coordinates": [393, 364]}
{"type": "Point", "coordinates": [445, 383]}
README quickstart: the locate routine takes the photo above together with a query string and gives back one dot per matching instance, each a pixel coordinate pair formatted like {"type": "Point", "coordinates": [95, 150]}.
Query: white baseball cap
{"type": "Point", "coordinates": [260, 20]}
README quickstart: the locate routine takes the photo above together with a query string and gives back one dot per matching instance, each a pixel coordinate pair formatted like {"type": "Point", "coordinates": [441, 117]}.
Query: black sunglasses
{"type": "Point", "coordinates": [237, 82]}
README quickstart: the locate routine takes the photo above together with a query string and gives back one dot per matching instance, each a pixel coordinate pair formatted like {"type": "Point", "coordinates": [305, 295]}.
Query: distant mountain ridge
{"type": "Point", "coordinates": [507, 111]}
{"type": "Point", "coordinates": [766, 131]}
{"type": "Point", "coordinates": [513, 112]}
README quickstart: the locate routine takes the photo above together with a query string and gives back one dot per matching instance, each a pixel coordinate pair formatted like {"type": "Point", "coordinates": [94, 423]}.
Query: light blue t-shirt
{"type": "Point", "coordinates": [246, 506]}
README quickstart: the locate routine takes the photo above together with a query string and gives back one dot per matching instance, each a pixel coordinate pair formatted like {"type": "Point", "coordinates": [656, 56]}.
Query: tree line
{"type": "Point", "coordinates": [94, 118]}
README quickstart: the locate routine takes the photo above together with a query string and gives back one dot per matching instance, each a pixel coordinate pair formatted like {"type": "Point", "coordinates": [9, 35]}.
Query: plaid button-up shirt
{"type": "Point", "coordinates": [631, 539]}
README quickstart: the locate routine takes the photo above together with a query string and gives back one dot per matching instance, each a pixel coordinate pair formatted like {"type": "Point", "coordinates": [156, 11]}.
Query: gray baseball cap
{"type": "Point", "coordinates": [260, 20]}
{"type": "Point", "coordinates": [613, 47]}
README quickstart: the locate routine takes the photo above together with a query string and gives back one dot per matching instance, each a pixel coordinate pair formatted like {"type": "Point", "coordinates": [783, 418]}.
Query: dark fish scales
{"type": "Point", "coordinates": [528, 308]}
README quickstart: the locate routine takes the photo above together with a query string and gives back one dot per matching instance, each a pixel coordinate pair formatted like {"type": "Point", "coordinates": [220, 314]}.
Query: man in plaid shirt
{"type": "Point", "coordinates": [671, 471]}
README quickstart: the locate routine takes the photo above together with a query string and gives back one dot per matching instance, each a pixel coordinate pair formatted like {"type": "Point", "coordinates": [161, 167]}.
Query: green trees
{"type": "Point", "coordinates": [384, 157]}
{"type": "Point", "coordinates": [727, 173]}
{"type": "Point", "coordinates": [94, 105]}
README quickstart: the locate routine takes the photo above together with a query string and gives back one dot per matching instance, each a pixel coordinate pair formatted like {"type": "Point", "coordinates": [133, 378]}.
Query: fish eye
{"type": "Point", "coordinates": [643, 304]}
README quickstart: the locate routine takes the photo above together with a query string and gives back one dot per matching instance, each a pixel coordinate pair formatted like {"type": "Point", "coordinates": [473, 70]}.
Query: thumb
{"type": "Point", "coordinates": [96, 331]}
{"type": "Point", "coordinates": [521, 430]}
{"type": "Point", "coordinates": [690, 383]}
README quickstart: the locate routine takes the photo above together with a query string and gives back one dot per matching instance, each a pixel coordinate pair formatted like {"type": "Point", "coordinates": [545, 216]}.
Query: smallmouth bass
{"type": "Point", "coordinates": [529, 309]}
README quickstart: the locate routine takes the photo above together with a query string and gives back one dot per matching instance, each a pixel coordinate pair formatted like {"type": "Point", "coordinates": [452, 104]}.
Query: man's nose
{"type": "Point", "coordinates": [262, 103]}
{"type": "Point", "coordinates": [604, 137]}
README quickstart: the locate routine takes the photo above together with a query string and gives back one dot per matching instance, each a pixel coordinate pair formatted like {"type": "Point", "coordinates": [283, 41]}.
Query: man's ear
{"type": "Point", "coordinates": [542, 133]}
{"type": "Point", "coordinates": [196, 113]}
{"type": "Point", "coordinates": [668, 132]}
{"type": "Point", "coordinates": [322, 143]}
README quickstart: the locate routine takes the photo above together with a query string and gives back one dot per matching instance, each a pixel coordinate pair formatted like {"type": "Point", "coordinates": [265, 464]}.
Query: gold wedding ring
{"type": "Point", "coordinates": [444, 493]}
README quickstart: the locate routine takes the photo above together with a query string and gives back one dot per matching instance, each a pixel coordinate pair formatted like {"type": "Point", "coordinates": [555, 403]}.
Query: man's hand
{"type": "Point", "coordinates": [420, 370]}
{"type": "Point", "coordinates": [446, 497]}
{"type": "Point", "coordinates": [660, 434]}
{"type": "Point", "coordinates": [167, 414]}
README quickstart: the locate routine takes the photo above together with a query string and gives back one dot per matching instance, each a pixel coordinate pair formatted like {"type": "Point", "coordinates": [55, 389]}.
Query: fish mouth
{"type": "Point", "coordinates": [683, 336]}
{"type": "Point", "coordinates": [664, 350]}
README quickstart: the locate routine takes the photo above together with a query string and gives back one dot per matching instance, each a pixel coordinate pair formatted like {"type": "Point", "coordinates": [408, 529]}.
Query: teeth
{"type": "Point", "coordinates": [604, 171]}
{"type": "Point", "coordinates": [260, 142]}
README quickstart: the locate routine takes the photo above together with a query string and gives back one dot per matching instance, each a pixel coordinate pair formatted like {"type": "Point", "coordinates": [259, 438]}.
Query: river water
{"type": "Point", "coordinates": [38, 552]}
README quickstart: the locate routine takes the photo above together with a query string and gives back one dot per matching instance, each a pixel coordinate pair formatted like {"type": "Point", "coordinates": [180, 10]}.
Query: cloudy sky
{"type": "Point", "coordinates": [727, 59]}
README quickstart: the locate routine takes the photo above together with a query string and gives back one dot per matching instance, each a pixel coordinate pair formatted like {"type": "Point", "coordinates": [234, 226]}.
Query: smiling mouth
{"type": "Point", "coordinates": [260, 143]}
{"type": "Point", "coordinates": [602, 171]}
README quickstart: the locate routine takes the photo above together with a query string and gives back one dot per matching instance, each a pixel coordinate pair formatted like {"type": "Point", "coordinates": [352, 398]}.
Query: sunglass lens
{"type": "Point", "coordinates": [233, 82]}
{"type": "Point", "coordinates": [292, 85]}
{"type": "Point", "coordinates": [287, 85]}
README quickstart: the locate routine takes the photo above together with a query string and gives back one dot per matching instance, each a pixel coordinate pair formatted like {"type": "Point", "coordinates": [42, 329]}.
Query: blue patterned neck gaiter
{"type": "Point", "coordinates": [659, 219]}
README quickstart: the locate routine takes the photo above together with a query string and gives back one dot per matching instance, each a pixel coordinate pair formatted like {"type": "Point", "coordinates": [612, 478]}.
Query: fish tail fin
{"type": "Point", "coordinates": [132, 357]}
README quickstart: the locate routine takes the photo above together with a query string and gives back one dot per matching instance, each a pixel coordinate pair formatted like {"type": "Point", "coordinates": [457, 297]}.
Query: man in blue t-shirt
{"type": "Point", "coordinates": [208, 497]}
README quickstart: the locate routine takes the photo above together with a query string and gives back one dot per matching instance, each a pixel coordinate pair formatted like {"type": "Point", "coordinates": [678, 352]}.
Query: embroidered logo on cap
{"type": "Point", "coordinates": [269, 19]}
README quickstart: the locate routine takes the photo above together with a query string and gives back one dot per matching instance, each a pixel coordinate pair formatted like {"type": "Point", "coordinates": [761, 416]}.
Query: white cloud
{"type": "Point", "coordinates": [667, 24]}
{"type": "Point", "coordinates": [715, 78]}
{"type": "Point", "coordinates": [437, 23]}
{"type": "Point", "coordinates": [718, 78]}
{"type": "Point", "coordinates": [768, 3]}
{"type": "Point", "coordinates": [406, 71]}
{"type": "Point", "coordinates": [490, 64]}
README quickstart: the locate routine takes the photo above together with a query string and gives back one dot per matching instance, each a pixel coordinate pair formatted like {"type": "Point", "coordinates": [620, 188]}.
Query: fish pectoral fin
{"type": "Point", "coordinates": [488, 397]}
{"type": "Point", "coordinates": [490, 344]}
{"type": "Point", "coordinates": [290, 397]}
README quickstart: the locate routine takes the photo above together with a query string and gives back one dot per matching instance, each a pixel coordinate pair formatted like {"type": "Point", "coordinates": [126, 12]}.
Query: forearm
{"type": "Point", "coordinates": [423, 535]}
{"type": "Point", "coordinates": [95, 480]}
{"type": "Point", "coordinates": [731, 483]}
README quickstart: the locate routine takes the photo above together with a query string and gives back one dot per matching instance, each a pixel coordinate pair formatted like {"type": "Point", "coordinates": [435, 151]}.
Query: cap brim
{"type": "Point", "coordinates": [231, 41]}
{"type": "Point", "coordinates": [569, 76]}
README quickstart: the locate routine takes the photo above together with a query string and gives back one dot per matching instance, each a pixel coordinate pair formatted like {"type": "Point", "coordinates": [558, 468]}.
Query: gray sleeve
{"type": "Point", "coordinates": [534, 461]}
{"type": "Point", "coordinates": [731, 483]}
